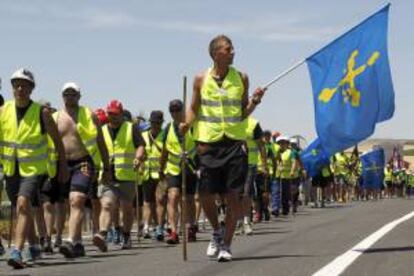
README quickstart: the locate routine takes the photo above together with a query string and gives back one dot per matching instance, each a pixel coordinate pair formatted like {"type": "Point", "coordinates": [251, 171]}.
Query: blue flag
{"type": "Point", "coordinates": [314, 157]}
{"type": "Point", "coordinates": [351, 83]}
{"type": "Point", "coordinates": [373, 169]}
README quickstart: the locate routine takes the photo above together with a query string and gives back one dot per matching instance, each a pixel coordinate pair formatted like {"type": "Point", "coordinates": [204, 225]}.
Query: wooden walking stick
{"type": "Point", "coordinates": [138, 208]}
{"type": "Point", "coordinates": [184, 178]}
{"type": "Point", "coordinates": [10, 226]}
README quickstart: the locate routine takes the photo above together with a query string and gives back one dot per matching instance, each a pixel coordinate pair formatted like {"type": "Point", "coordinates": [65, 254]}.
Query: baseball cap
{"type": "Point", "coordinates": [115, 107]}
{"type": "Point", "coordinates": [70, 85]}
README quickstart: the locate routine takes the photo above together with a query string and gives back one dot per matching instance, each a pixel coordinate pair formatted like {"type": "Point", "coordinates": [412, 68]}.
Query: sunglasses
{"type": "Point", "coordinates": [70, 94]}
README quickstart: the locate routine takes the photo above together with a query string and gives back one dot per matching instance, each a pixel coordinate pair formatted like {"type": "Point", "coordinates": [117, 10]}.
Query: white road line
{"type": "Point", "coordinates": [338, 265]}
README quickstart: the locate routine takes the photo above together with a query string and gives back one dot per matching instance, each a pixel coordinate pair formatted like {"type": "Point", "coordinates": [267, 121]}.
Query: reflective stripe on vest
{"type": "Point", "coordinates": [23, 142]}
{"type": "Point", "coordinates": [220, 112]}
{"type": "Point", "coordinates": [175, 151]}
{"type": "Point", "coordinates": [122, 151]}
{"type": "Point", "coordinates": [285, 164]}
{"type": "Point", "coordinates": [153, 149]}
{"type": "Point", "coordinates": [387, 174]}
{"type": "Point", "coordinates": [341, 161]}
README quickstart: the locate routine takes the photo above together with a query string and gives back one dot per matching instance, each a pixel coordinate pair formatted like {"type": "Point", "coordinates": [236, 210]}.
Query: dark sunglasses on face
{"type": "Point", "coordinates": [70, 94]}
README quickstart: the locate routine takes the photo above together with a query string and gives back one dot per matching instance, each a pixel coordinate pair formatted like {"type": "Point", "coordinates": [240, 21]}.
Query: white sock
{"type": "Point", "coordinates": [246, 220]}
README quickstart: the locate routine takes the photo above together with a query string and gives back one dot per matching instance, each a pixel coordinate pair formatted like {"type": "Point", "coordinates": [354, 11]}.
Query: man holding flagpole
{"type": "Point", "coordinates": [219, 106]}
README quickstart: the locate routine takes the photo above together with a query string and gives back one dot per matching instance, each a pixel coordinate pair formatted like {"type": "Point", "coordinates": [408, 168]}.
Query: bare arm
{"type": "Point", "coordinates": [101, 145]}
{"type": "Point", "coordinates": [163, 159]}
{"type": "Point", "coordinates": [52, 130]}
{"type": "Point", "coordinates": [262, 151]}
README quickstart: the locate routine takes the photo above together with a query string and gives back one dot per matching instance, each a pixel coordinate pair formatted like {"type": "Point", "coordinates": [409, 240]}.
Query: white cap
{"type": "Point", "coordinates": [23, 74]}
{"type": "Point", "coordinates": [282, 138]}
{"type": "Point", "coordinates": [294, 141]}
{"type": "Point", "coordinates": [70, 85]}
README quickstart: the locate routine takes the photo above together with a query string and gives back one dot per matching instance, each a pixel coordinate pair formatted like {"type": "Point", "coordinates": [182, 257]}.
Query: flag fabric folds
{"type": "Point", "coordinates": [373, 169]}
{"type": "Point", "coordinates": [352, 85]}
{"type": "Point", "coordinates": [314, 157]}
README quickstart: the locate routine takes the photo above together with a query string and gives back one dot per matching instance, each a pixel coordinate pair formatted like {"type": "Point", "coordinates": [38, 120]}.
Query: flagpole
{"type": "Point", "coordinates": [284, 73]}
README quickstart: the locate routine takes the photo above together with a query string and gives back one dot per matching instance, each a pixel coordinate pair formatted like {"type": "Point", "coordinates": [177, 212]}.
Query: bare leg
{"type": "Point", "coordinates": [23, 216]}
{"type": "Point", "coordinates": [233, 211]}
{"type": "Point", "coordinates": [77, 212]}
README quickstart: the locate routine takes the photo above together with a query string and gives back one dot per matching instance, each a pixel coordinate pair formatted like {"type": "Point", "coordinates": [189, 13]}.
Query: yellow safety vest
{"type": "Point", "coordinates": [52, 158]}
{"type": "Point", "coordinates": [269, 161]}
{"type": "Point", "coordinates": [23, 142]}
{"type": "Point", "coordinates": [88, 133]}
{"type": "Point", "coordinates": [326, 172]}
{"type": "Point", "coordinates": [175, 150]}
{"type": "Point", "coordinates": [285, 164]}
{"type": "Point", "coordinates": [387, 174]}
{"type": "Point", "coordinates": [252, 145]}
{"type": "Point", "coordinates": [121, 151]}
{"type": "Point", "coordinates": [220, 113]}
{"type": "Point", "coordinates": [153, 150]}
{"type": "Point", "coordinates": [340, 164]}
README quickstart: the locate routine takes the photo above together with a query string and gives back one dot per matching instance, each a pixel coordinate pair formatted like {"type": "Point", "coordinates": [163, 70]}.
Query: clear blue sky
{"type": "Point", "coordinates": [138, 51]}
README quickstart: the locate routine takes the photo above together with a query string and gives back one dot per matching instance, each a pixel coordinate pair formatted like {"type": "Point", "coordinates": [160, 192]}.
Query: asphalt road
{"type": "Point", "coordinates": [299, 245]}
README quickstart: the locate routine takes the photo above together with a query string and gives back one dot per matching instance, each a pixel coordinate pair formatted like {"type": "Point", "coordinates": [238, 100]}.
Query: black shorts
{"type": "Point", "coordinates": [81, 177]}
{"type": "Point", "coordinates": [24, 186]}
{"type": "Point", "coordinates": [140, 197]}
{"type": "Point", "coordinates": [174, 181]}
{"type": "Point", "coordinates": [50, 192]}
{"type": "Point", "coordinates": [223, 167]}
{"type": "Point", "coordinates": [320, 181]}
{"type": "Point", "coordinates": [388, 184]}
{"type": "Point", "coordinates": [149, 187]}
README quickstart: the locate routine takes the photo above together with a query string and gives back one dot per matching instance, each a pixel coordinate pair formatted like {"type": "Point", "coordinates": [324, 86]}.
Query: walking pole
{"type": "Point", "coordinates": [10, 226]}
{"type": "Point", "coordinates": [138, 208]}
{"type": "Point", "coordinates": [184, 179]}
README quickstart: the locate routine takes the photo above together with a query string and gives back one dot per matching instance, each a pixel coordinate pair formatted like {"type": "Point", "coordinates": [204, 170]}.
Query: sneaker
{"type": "Point", "coordinates": [257, 218]}
{"type": "Point", "coordinates": [42, 241]}
{"type": "Point", "coordinates": [15, 260]}
{"type": "Point", "coordinates": [239, 228]}
{"type": "Point", "coordinates": [33, 253]}
{"type": "Point", "coordinates": [110, 236]}
{"type": "Point", "coordinates": [247, 229]}
{"type": "Point", "coordinates": [58, 242]}
{"type": "Point", "coordinates": [147, 234]}
{"type": "Point", "coordinates": [191, 236]}
{"type": "Point", "coordinates": [66, 249]}
{"type": "Point", "coordinates": [275, 213]}
{"type": "Point", "coordinates": [159, 233]}
{"type": "Point", "coordinates": [224, 254]}
{"type": "Point", "coordinates": [99, 241]}
{"type": "Point", "coordinates": [117, 237]}
{"type": "Point", "coordinates": [126, 241]}
{"type": "Point", "coordinates": [79, 250]}
{"type": "Point", "coordinates": [48, 246]}
{"type": "Point", "coordinates": [173, 238]}
{"type": "Point", "coordinates": [214, 245]}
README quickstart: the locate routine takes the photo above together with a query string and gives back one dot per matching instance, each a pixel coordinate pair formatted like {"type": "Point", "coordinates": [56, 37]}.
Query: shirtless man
{"type": "Point", "coordinates": [85, 149]}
